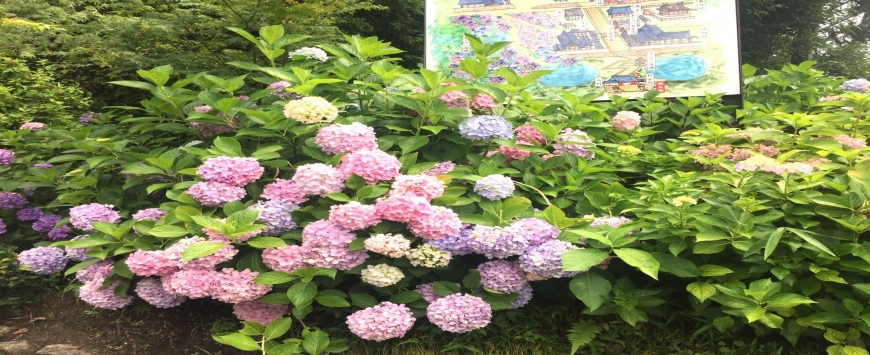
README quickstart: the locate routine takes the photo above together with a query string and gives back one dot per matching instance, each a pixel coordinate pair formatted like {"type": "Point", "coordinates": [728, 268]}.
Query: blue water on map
{"type": "Point", "coordinates": [570, 76]}
{"type": "Point", "coordinates": [680, 68]}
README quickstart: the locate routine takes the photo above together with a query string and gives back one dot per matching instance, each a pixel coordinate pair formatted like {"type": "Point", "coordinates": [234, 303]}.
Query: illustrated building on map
{"type": "Point", "coordinates": [650, 35]}
{"type": "Point", "coordinates": [482, 3]}
{"type": "Point", "coordinates": [573, 14]}
{"type": "Point", "coordinates": [619, 11]}
{"type": "Point", "coordinates": [676, 8]}
{"type": "Point", "coordinates": [622, 80]}
{"type": "Point", "coordinates": [569, 25]}
{"type": "Point", "coordinates": [576, 40]}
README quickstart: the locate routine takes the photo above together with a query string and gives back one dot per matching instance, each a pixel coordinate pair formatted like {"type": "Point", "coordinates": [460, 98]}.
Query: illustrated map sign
{"type": "Point", "coordinates": [626, 47]}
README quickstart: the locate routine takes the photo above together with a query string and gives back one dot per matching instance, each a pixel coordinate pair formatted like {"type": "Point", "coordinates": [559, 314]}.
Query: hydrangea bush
{"type": "Point", "coordinates": [386, 196]}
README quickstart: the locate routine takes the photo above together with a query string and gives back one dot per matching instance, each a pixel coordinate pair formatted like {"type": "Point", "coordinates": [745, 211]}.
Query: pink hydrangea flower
{"type": "Point", "coordinates": [33, 126]}
{"type": "Point", "coordinates": [95, 272]}
{"type": "Point", "coordinates": [425, 186]}
{"type": "Point", "coordinates": [441, 168]}
{"type": "Point", "coordinates": [197, 283]}
{"type": "Point", "coordinates": [287, 258]}
{"type": "Point", "coordinates": [285, 191]}
{"type": "Point", "coordinates": [625, 121]}
{"type": "Point", "coordinates": [151, 291]}
{"type": "Point", "coordinates": [384, 321]}
{"type": "Point", "coordinates": [215, 194]}
{"type": "Point", "coordinates": [458, 313]}
{"type": "Point", "coordinates": [94, 294]}
{"type": "Point", "coordinates": [318, 179]}
{"type": "Point", "coordinates": [151, 263]}
{"type": "Point", "coordinates": [344, 139]}
{"type": "Point", "coordinates": [82, 216]}
{"type": "Point", "coordinates": [354, 215]}
{"type": "Point", "coordinates": [326, 233]}
{"type": "Point", "coordinates": [225, 253]}
{"type": "Point", "coordinates": [529, 133]}
{"type": "Point", "coordinates": [849, 142]}
{"type": "Point", "coordinates": [371, 165]}
{"type": "Point", "coordinates": [438, 223]}
{"type": "Point", "coordinates": [233, 171]}
{"type": "Point", "coordinates": [256, 311]}
{"type": "Point", "coordinates": [151, 214]}
{"type": "Point", "coordinates": [403, 208]}
{"type": "Point", "coordinates": [483, 102]}
{"type": "Point", "coordinates": [238, 286]}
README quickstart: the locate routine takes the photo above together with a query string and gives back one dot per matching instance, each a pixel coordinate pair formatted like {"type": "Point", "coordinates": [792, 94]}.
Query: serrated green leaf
{"type": "Point", "coordinates": [200, 249]}
{"type": "Point", "coordinates": [640, 259]}
{"type": "Point", "coordinates": [702, 291]}
{"type": "Point", "coordinates": [277, 328]}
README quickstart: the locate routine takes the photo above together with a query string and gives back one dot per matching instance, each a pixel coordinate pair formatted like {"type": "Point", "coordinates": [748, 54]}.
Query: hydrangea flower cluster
{"type": "Point", "coordinates": [440, 168]}
{"type": "Point", "coordinates": [43, 260]}
{"type": "Point", "coordinates": [77, 254]}
{"type": "Point", "coordinates": [98, 296]}
{"type": "Point", "coordinates": [458, 313]}
{"type": "Point", "coordinates": [311, 109]}
{"type": "Point", "coordinates": [233, 171]}
{"type": "Point", "coordinates": [256, 311]}
{"type": "Point", "coordinates": [381, 275]}
{"type": "Point", "coordinates": [318, 179]}
{"type": "Point", "coordinates": [613, 221]}
{"type": "Point", "coordinates": [276, 216]}
{"type": "Point", "coordinates": [483, 102]}
{"type": "Point", "coordinates": [683, 200]}
{"type": "Point", "coordinates": [425, 186]}
{"type": "Point", "coordinates": [344, 139]}
{"type": "Point", "coordinates": [625, 121]}
{"type": "Point", "coordinates": [390, 245]}
{"type": "Point", "coordinates": [545, 259]}
{"type": "Point", "coordinates": [2, 227]}
{"type": "Point", "coordinates": [82, 216]}
{"type": "Point", "coordinates": [456, 99]}
{"type": "Point", "coordinates": [12, 201]}
{"type": "Point", "coordinates": [193, 283]}
{"type": "Point", "coordinates": [225, 253]}
{"type": "Point", "coordinates": [383, 321]}
{"type": "Point", "coordinates": [88, 118]}
{"type": "Point", "coordinates": [856, 85]}
{"type": "Point", "coordinates": [6, 157]}
{"type": "Point", "coordinates": [763, 163]}
{"type": "Point", "coordinates": [59, 233]}
{"type": "Point", "coordinates": [310, 53]}
{"type": "Point", "coordinates": [279, 89]}
{"type": "Point", "coordinates": [525, 295]}
{"type": "Point", "coordinates": [151, 290]}
{"type": "Point", "coordinates": [485, 127]}
{"type": "Point", "coordinates": [371, 165]}
{"type": "Point", "coordinates": [502, 276]}
{"type": "Point", "coordinates": [149, 214]}
{"type": "Point", "coordinates": [324, 244]}
{"type": "Point", "coordinates": [95, 272]}
{"type": "Point", "coordinates": [437, 223]}
{"type": "Point", "coordinates": [429, 256]}
{"type": "Point", "coordinates": [45, 223]}
{"type": "Point", "coordinates": [427, 291]}
{"type": "Point", "coordinates": [151, 263]}
{"type": "Point", "coordinates": [354, 215]}
{"type": "Point", "coordinates": [235, 286]}
{"type": "Point", "coordinates": [34, 126]}
{"type": "Point", "coordinates": [529, 133]}
{"type": "Point", "coordinates": [42, 166]}
{"type": "Point", "coordinates": [284, 190]}
{"type": "Point", "coordinates": [849, 142]}
{"type": "Point", "coordinates": [497, 242]}
{"type": "Point", "coordinates": [216, 194]}
{"type": "Point", "coordinates": [402, 208]}
{"type": "Point", "coordinates": [535, 230]}
{"type": "Point", "coordinates": [494, 187]}
{"type": "Point", "coordinates": [574, 142]}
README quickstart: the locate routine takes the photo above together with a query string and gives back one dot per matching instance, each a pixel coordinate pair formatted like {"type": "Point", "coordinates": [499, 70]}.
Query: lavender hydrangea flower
{"type": "Point", "coordinates": [6, 157]}
{"type": "Point", "coordinates": [28, 214]}
{"type": "Point", "coordinates": [524, 297]}
{"type": "Point", "coordinates": [535, 230]}
{"type": "Point", "coordinates": [43, 260]}
{"type": "Point", "coordinates": [45, 223]}
{"type": "Point", "coordinates": [77, 254]}
{"type": "Point", "coordinates": [42, 166]}
{"type": "Point", "coordinates": [502, 276]}
{"type": "Point", "coordinates": [574, 142]}
{"type": "Point", "coordinates": [458, 313]}
{"type": "Point", "coordinates": [2, 227]}
{"type": "Point", "coordinates": [82, 216]}
{"type": "Point", "coordinates": [12, 201]}
{"type": "Point", "coordinates": [546, 259]}
{"type": "Point", "coordinates": [857, 85]}
{"type": "Point", "coordinates": [456, 244]}
{"type": "Point", "coordinates": [485, 127]}
{"type": "Point", "coordinates": [276, 216]}
{"type": "Point", "coordinates": [151, 290]}
{"type": "Point", "coordinates": [59, 233]}
{"type": "Point", "coordinates": [88, 118]}
{"type": "Point", "coordinates": [494, 187]}
{"type": "Point", "coordinates": [384, 321]}
{"type": "Point", "coordinates": [150, 214]}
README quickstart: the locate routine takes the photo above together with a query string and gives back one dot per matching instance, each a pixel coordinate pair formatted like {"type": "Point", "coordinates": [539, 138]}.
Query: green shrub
{"type": "Point", "coordinates": [37, 95]}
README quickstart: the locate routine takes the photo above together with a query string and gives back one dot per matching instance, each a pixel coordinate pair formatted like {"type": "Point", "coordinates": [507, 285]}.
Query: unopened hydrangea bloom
{"type": "Point", "coordinates": [371, 165]}
{"type": "Point", "coordinates": [435, 224]}
{"type": "Point", "coordinates": [287, 258]}
{"type": "Point", "coordinates": [95, 272]}
{"type": "Point", "coordinates": [755, 163]}
{"type": "Point", "coordinates": [494, 187]}
{"type": "Point", "coordinates": [12, 201]}
{"type": "Point", "coordinates": [238, 286]}
{"type": "Point", "coordinates": [151, 263]}
{"type": "Point", "coordinates": [849, 142]}
{"type": "Point", "coordinates": [483, 102]}
{"type": "Point", "coordinates": [384, 321]}
{"type": "Point", "coordinates": [311, 109]}
{"type": "Point", "coordinates": [429, 256]}
{"type": "Point", "coordinates": [34, 126]}
{"type": "Point", "coordinates": [529, 133]}
{"type": "Point", "coordinates": [326, 233]}
{"type": "Point", "coordinates": [28, 214]}
{"type": "Point", "coordinates": [456, 244]}
{"type": "Point", "coordinates": [354, 215]}
{"type": "Point", "coordinates": [256, 311]}
{"type": "Point", "coordinates": [311, 53]}
{"type": "Point", "coordinates": [215, 194]}
{"type": "Point", "coordinates": [857, 85]}
{"type": "Point", "coordinates": [740, 154]}
{"type": "Point", "coordinates": [6, 157]}
{"type": "Point", "coordinates": [574, 142]}
{"type": "Point", "coordinates": [198, 283]}
{"type": "Point", "coordinates": [82, 216]}
{"type": "Point", "coordinates": [151, 290]}
{"type": "Point", "coordinates": [711, 151]}
{"type": "Point", "coordinates": [524, 297]}
{"type": "Point", "coordinates": [42, 166]}
{"type": "Point", "coordinates": [502, 276]}
{"type": "Point", "coordinates": [59, 233]}
{"type": "Point", "coordinates": [318, 179]}
{"type": "Point", "coordinates": [285, 191]}
{"type": "Point", "coordinates": [103, 297]}
{"type": "Point", "coordinates": [45, 223]}
{"type": "Point", "coordinates": [440, 168]}
{"type": "Point", "coordinates": [346, 138]}
{"type": "Point", "coordinates": [683, 200]}
{"type": "Point", "coordinates": [279, 89]}
{"type": "Point", "coordinates": [233, 171]}
{"type": "Point", "coordinates": [425, 186]}
{"type": "Point", "coordinates": [535, 230]}
{"type": "Point", "coordinates": [43, 260]}
{"type": "Point", "coordinates": [458, 313]}
{"type": "Point", "coordinates": [625, 121]}
{"type": "Point", "coordinates": [276, 216]}
{"type": "Point", "coordinates": [546, 259]}
{"type": "Point", "coordinates": [149, 214]}
{"type": "Point", "coordinates": [381, 275]}
{"type": "Point", "coordinates": [225, 253]}
{"type": "Point", "coordinates": [77, 254]}
{"type": "Point", "coordinates": [485, 127]}
{"type": "Point", "coordinates": [390, 245]}
{"type": "Point", "coordinates": [628, 150]}
{"type": "Point", "coordinates": [613, 221]}
{"type": "Point", "coordinates": [403, 208]}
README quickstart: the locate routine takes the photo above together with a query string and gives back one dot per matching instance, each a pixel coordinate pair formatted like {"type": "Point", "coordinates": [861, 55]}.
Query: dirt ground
{"type": "Point", "coordinates": [135, 330]}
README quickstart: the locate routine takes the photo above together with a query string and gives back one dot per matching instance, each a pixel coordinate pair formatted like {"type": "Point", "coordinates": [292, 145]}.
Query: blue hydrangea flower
{"type": "Point", "coordinates": [494, 187]}
{"type": "Point", "coordinates": [497, 242]}
{"type": "Point", "coordinates": [43, 260]}
{"type": "Point", "coordinates": [857, 85]}
{"type": "Point", "coordinates": [485, 127]}
{"type": "Point", "coordinates": [456, 244]}
{"type": "Point", "coordinates": [276, 216]}
{"type": "Point", "coordinates": [524, 298]}
{"type": "Point", "coordinates": [546, 259]}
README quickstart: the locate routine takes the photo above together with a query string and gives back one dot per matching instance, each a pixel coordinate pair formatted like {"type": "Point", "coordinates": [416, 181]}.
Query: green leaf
{"type": "Point", "coordinates": [590, 288]}
{"type": "Point", "coordinates": [271, 34]}
{"type": "Point", "coordinates": [315, 342]}
{"type": "Point", "coordinates": [233, 207]}
{"type": "Point", "coordinates": [410, 144]}
{"type": "Point", "coordinates": [331, 298]}
{"type": "Point", "coordinates": [237, 340]}
{"type": "Point", "coordinates": [159, 75]}
{"type": "Point", "coordinates": [228, 146]}
{"type": "Point", "coordinates": [582, 259]}
{"type": "Point", "coordinates": [639, 259]}
{"type": "Point", "coordinates": [200, 249]}
{"type": "Point", "coordinates": [266, 242]}
{"type": "Point", "coordinates": [581, 334]}
{"type": "Point", "coordinates": [472, 280]}
{"type": "Point", "coordinates": [405, 297]}
{"type": "Point", "coordinates": [302, 293]}
{"type": "Point", "coordinates": [787, 300]}
{"type": "Point", "coordinates": [723, 323]}
{"type": "Point", "coordinates": [753, 313]}
{"type": "Point", "coordinates": [772, 241]}
{"type": "Point", "coordinates": [714, 270]}
{"type": "Point", "coordinates": [363, 300]}
{"type": "Point", "coordinates": [701, 290]}
{"type": "Point", "coordinates": [308, 273]}
{"type": "Point", "coordinates": [676, 265]}
{"type": "Point", "coordinates": [284, 349]}
{"type": "Point", "coordinates": [813, 241]}
{"type": "Point", "coordinates": [445, 288]}
{"type": "Point", "coordinates": [168, 231]}
{"type": "Point", "coordinates": [274, 278]}
{"type": "Point", "coordinates": [277, 328]}
{"type": "Point", "coordinates": [80, 266]}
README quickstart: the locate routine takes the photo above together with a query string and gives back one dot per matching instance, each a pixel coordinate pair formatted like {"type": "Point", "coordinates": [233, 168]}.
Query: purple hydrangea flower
{"type": "Point", "coordinates": [276, 215]}
{"type": "Point", "coordinates": [458, 313]}
{"type": "Point", "coordinates": [151, 214]}
{"type": "Point", "coordinates": [857, 85]}
{"type": "Point", "coordinates": [230, 170]}
{"type": "Point", "coordinates": [6, 157]}
{"type": "Point", "coordinates": [88, 118]}
{"type": "Point", "coordinates": [42, 166]}
{"type": "Point", "coordinates": [574, 142]}
{"type": "Point", "coordinates": [497, 242]}
{"type": "Point", "coordinates": [43, 260]}
{"type": "Point", "coordinates": [2, 227]}
{"type": "Point", "coordinates": [46, 223]}
{"type": "Point", "coordinates": [494, 187]}
{"type": "Point", "coordinates": [59, 233]}
{"type": "Point", "coordinates": [502, 276]}
{"type": "Point", "coordinates": [524, 298]}
{"type": "Point", "coordinates": [82, 216]}
{"type": "Point", "coordinates": [485, 127]}
{"type": "Point", "coordinates": [456, 244]}
{"type": "Point", "coordinates": [151, 290]}
{"type": "Point", "coordinates": [535, 230]}
{"type": "Point", "coordinates": [384, 321]}
{"type": "Point", "coordinates": [12, 201]}
{"type": "Point", "coordinates": [546, 259]}
{"type": "Point", "coordinates": [28, 214]}
{"type": "Point", "coordinates": [77, 254]}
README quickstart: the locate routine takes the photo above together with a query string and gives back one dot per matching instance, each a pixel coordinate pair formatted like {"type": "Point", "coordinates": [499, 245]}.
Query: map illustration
{"type": "Point", "coordinates": [626, 47]}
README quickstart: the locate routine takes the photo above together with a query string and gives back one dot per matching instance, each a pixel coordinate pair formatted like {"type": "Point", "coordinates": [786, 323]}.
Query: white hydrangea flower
{"type": "Point", "coordinates": [381, 275]}
{"type": "Point", "coordinates": [311, 52]}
